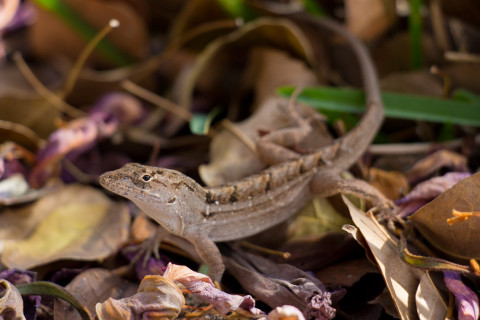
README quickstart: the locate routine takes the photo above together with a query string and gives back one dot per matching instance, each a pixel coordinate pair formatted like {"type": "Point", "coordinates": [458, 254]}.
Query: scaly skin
{"type": "Point", "coordinates": [253, 204]}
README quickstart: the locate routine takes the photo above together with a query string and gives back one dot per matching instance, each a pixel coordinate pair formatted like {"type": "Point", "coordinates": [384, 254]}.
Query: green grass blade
{"type": "Point", "coordinates": [404, 106]}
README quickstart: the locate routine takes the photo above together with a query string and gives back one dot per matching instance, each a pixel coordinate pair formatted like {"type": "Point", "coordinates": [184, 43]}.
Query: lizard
{"type": "Point", "coordinates": [238, 209]}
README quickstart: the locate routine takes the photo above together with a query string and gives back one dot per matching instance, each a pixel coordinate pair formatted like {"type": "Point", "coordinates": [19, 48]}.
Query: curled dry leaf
{"type": "Point", "coordinates": [11, 303]}
{"type": "Point", "coordinates": [276, 33]}
{"type": "Point", "coordinates": [203, 287]}
{"type": "Point", "coordinates": [281, 284]}
{"type": "Point", "coordinates": [461, 239]}
{"type": "Point", "coordinates": [435, 161]}
{"type": "Point", "coordinates": [232, 159]}
{"type": "Point", "coordinates": [157, 297]}
{"type": "Point", "coordinates": [78, 222]}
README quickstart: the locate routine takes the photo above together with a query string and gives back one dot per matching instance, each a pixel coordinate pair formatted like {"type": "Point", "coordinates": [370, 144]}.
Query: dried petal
{"type": "Point", "coordinates": [426, 191]}
{"type": "Point", "coordinates": [202, 286]}
{"type": "Point", "coordinates": [11, 303]}
{"type": "Point", "coordinates": [156, 298]}
{"type": "Point", "coordinates": [465, 298]}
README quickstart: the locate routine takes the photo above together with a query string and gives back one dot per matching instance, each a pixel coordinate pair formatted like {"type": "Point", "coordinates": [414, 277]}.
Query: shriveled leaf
{"type": "Point", "coordinates": [402, 281]}
{"type": "Point", "coordinates": [156, 297]}
{"type": "Point", "coordinates": [203, 287]}
{"type": "Point", "coordinates": [461, 239]}
{"type": "Point", "coordinates": [90, 287]}
{"type": "Point", "coordinates": [79, 223]}
{"type": "Point", "coordinates": [280, 284]}
{"type": "Point", "coordinates": [11, 303]}
{"type": "Point", "coordinates": [437, 160]}
{"type": "Point", "coordinates": [232, 159]}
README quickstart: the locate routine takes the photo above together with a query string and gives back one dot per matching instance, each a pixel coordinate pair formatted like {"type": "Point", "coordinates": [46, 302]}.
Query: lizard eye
{"type": "Point", "coordinates": [146, 177]}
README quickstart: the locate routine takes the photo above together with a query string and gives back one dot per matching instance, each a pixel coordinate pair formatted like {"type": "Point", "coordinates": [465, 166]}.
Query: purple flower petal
{"type": "Point", "coordinates": [427, 191]}
{"type": "Point", "coordinates": [465, 298]}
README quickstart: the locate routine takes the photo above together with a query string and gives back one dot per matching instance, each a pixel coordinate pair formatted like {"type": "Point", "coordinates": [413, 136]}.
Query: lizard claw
{"type": "Point", "coordinates": [148, 248]}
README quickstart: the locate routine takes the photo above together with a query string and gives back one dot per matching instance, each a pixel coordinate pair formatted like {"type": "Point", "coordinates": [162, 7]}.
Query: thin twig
{"type": "Point", "coordinates": [86, 52]}
{"type": "Point", "coordinates": [51, 97]}
{"type": "Point", "coordinates": [157, 100]}
{"type": "Point", "coordinates": [228, 125]}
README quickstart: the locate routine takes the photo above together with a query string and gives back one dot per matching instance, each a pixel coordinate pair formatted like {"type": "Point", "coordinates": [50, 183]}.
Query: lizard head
{"type": "Point", "coordinates": [153, 188]}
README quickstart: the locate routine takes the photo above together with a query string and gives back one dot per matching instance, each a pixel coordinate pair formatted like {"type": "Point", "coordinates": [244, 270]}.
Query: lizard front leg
{"type": "Point", "coordinates": [208, 251]}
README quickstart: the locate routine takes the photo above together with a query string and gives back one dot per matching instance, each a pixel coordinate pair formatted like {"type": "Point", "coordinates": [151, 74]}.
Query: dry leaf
{"type": "Point", "coordinates": [90, 287]}
{"type": "Point", "coordinates": [231, 159]}
{"type": "Point", "coordinates": [369, 19]}
{"type": "Point", "coordinates": [156, 298]}
{"type": "Point", "coordinates": [345, 273]}
{"type": "Point", "coordinates": [461, 239]}
{"type": "Point", "coordinates": [393, 184]}
{"type": "Point", "coordinates": [79, 222]}
{"type": "Point", "coordinates": [402, 280]}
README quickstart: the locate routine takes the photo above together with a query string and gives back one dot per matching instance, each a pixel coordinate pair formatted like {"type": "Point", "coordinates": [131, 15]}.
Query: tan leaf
{"type": "Point", "coordinates": [79, 223]}
{"type": "Point", "coordinates": [393, 184]}
{"type": "Point", "coordinates": [368, 19]}
{"type": "Point", "coordinates": [461, 239]}
{"type": "Point", "coordinates": [156, 298]}
{"type": "Point", "coordinates": [90, 287]}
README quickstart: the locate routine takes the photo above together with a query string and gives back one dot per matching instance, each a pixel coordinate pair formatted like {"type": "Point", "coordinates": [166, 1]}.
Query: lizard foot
{"type": "Point", "coordinates": [148, 248]}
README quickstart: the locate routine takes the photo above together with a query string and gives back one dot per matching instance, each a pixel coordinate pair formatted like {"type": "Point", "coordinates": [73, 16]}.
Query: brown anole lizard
{"type": "Point", "coordinates": [248, 206]}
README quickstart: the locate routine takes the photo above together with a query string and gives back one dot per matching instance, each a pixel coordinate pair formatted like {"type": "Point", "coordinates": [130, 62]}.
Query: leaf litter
{"type": "Point", "coordinates": [58, 226]}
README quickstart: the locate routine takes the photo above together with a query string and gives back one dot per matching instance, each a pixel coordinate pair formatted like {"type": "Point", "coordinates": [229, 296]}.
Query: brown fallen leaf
{"type": "Point", "coordinates": [369, 19]}
{"type": "Point", "coordinates": [78, 222]}
{"type": "Point", "coordinates": [393, 184]}
{"type": "Point", "coordinates": [232, 159]}
{"type": "Point", "coordinates": [90, 287]}
{"type": "Point", "coordinates": [440, 159]}
{"type": "Point", "coordinates": [461, 239]}
{"type": "Point", "coordinates": [345, 273]}
{"type": "Point", "coordinates": [157, 297]}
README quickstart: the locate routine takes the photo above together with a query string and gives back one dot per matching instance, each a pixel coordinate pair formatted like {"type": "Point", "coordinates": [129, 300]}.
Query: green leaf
{"type": "Point", "coordinates": [50, 289]}
{"type": "Point", "coordinates": [404, 106]}
{"type": "Point", "coordinates": [200, 122]}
